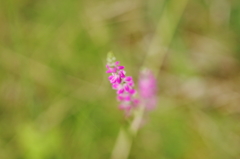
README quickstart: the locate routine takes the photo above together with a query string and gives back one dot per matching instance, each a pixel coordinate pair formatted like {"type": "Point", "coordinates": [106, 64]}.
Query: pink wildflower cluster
{"type": "Point", "coordinates": [147, 89]}
{"type": "Point", "coordinates": [122, 84]}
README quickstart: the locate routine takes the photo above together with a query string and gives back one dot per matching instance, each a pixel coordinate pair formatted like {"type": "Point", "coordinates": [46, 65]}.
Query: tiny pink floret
{"type": "Point", "coordinates": [147, 89]}
{"type": "Point", "coordinates": [123, 85]}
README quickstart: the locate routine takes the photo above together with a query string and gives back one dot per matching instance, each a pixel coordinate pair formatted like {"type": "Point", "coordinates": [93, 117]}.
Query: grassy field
{"type": "Point", "coordinates": [55, 98]}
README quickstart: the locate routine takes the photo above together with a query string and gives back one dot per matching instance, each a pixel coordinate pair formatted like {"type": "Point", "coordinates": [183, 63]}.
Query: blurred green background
{"type": "Point", "coordinates": [56, 101]}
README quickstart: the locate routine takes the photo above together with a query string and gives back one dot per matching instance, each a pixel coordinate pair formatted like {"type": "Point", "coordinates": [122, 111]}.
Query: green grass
{"type": "Point", "coordinates": [56, 102]}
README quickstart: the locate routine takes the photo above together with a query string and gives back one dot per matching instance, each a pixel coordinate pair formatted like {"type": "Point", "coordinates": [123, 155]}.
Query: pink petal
{"type": "Point", "coordinates": [113, 80]}
{"type": "Point", "coordinates": [126, 87]}
{"type": "Point", "coordinates": [113, 70]}
{"type": "Point", "coordinates": [130, 84]}
{"type": "Point", "coordinates": [120, 91]}
{"type": "Point", "coordinates": [120, 67]}
{"type": "Point", "coordinates": [115, 86]}
{"type": "Point", "coordinates": [119, 97]}
{"type": "Point", "coordinates": [132, 91]}
{"type": "Point", "coordinates": [122, 73]}
{"type": "Point", "coordinates": [128, 98]}
{"type": "Point", "coordinates": [118, 79]}
{"type": "Point", "coordinates": [117, 63]}
{"type": "Point", "coordinates": [128, 78]}
{"type": "Point", "coordinates": [108, 71]}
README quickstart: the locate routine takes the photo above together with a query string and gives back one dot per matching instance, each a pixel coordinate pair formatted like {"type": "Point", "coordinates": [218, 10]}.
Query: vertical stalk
{"type": "Point", "coordinates": [165, 30]}
{"type": "Point", "coordinates": [159, 45]}
{"type": "Point", "coordinates": [125, 137]}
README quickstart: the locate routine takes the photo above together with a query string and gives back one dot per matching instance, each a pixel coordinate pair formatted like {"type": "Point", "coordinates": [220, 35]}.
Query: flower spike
{"type": "Point", "coordinates": [147, 85]}
{"type": "Point", "coordinates": [121, 83]}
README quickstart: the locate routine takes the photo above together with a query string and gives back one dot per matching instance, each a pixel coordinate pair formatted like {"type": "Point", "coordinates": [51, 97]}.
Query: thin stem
{"type": "Point", "coordinates": [157, 50]}
{"type": "Point", "coordinates": [124, 141]}
{"type": "Point", "coordinates": [165, 31]}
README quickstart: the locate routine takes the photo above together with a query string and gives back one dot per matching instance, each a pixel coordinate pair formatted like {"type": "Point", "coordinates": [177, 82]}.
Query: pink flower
{"type": "Point", "coordinates": [147, 89]}
{"type": "Point", "coordinates": [122, 84]}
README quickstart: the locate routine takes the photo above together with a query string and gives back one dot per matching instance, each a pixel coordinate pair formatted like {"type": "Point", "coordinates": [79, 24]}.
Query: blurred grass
{"type": "Point", "coordinates": [56, 102]}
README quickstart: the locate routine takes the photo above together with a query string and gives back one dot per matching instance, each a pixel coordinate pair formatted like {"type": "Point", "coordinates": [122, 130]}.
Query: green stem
{"type": "Point", "coordinates": [157, 50]}
{"type": "Point", "coordinates": [124, 141]}
{"type": "Point", "coordinates": [165, 31]}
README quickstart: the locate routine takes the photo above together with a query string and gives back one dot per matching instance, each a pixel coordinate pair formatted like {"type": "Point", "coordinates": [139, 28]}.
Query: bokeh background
{"type": "Point", "coordinates": [56, 101]}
